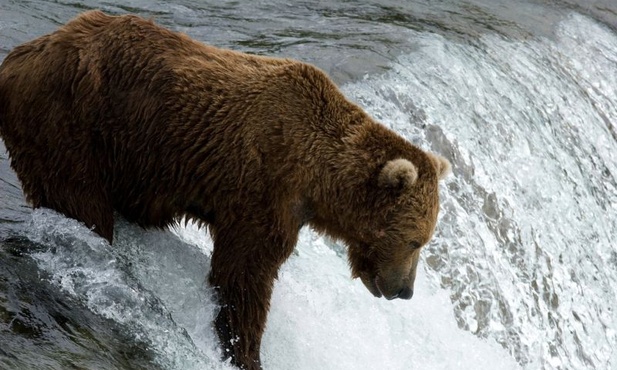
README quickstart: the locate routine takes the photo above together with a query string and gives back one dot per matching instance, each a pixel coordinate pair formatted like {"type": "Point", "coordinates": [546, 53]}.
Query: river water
{"type": "Point", "coordinates": [521, 96]}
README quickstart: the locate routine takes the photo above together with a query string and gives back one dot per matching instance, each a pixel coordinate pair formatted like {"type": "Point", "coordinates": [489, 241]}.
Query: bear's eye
{"type": "Point", "coordinates": [415, 245]}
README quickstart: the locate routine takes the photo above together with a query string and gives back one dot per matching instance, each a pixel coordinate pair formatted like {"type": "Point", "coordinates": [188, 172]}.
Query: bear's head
{"type": "Point", "coordinates": [386, 216]}
{"type": "Point", "coordinates": [406, 205]}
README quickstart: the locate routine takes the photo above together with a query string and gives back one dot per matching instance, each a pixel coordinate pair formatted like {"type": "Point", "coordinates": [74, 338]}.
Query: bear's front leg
{"type": "Point", "coordinates": [245, 263]}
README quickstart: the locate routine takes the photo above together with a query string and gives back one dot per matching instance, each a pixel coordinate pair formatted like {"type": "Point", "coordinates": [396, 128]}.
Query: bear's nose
{"type": "Point", "coordinates": [405, 293]}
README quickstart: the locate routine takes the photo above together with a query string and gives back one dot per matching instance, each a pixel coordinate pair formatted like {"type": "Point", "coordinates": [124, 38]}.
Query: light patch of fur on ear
{"type": "Point", "coordinates": [398, 172]}
{"type": "Point", "coordinates": [442, 165]}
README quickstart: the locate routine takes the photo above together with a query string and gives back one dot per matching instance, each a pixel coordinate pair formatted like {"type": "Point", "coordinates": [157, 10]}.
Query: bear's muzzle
{"type": "Point", "coordinates": [379, 288]}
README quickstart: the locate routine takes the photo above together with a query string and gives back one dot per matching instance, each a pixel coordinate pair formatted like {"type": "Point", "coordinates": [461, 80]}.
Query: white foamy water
{"type": "Point", "coordinates": [523, 266]}
{"type": "Point", "coordinates": [154, 284]}
{"type": "Point", "coordinates": [526, 243]}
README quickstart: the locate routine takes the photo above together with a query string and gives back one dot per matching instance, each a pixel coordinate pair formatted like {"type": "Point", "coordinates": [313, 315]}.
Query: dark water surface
{"type": "Point", "coordinates": [43, 325]}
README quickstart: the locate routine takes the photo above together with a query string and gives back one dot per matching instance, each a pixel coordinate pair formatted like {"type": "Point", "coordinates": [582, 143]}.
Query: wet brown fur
{"type": "Point", "coordinates": [116, 113]}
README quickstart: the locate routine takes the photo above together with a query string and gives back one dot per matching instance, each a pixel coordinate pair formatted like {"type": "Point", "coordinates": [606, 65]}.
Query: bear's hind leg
{"type": "Point", "coordinates": [84, 200]}
{"type": "Point", "coordinates": [65, 182]}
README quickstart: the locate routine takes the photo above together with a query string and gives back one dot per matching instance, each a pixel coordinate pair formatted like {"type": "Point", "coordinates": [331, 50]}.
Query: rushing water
{"type": "Point", "coordinates": [522, 273]}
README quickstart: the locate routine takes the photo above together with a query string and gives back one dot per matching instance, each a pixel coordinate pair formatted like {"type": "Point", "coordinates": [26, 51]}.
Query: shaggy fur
{"type": "Point", "coordinates": [116, 113]}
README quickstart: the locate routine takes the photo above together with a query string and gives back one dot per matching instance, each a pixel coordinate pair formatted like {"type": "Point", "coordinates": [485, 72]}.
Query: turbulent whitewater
{"type": "Point", "coordinates": [521, 274]}
{"type": "Point", "coordinates": [526, 245]}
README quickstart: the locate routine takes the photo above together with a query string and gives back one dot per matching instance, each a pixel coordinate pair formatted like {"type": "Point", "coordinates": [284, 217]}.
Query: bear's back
{"type": "Point", "coordinates": [121, 104]}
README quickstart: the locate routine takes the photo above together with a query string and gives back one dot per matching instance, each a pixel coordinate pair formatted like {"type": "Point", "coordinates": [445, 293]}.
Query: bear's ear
{"type": "Point", "coordinates": [398, 173]}
{"type": "Point", "coordinates": [442, 165]}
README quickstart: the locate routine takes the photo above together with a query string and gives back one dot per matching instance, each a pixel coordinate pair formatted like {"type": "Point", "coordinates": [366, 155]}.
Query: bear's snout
{"type": "Point", "coordinates": [405, 293]}
{"type": "Point", "coordinates": [390, 290]}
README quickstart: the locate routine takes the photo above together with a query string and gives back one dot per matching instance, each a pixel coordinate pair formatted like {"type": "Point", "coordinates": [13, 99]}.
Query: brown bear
{"type": "Point", "coordinates": [114, 113]}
